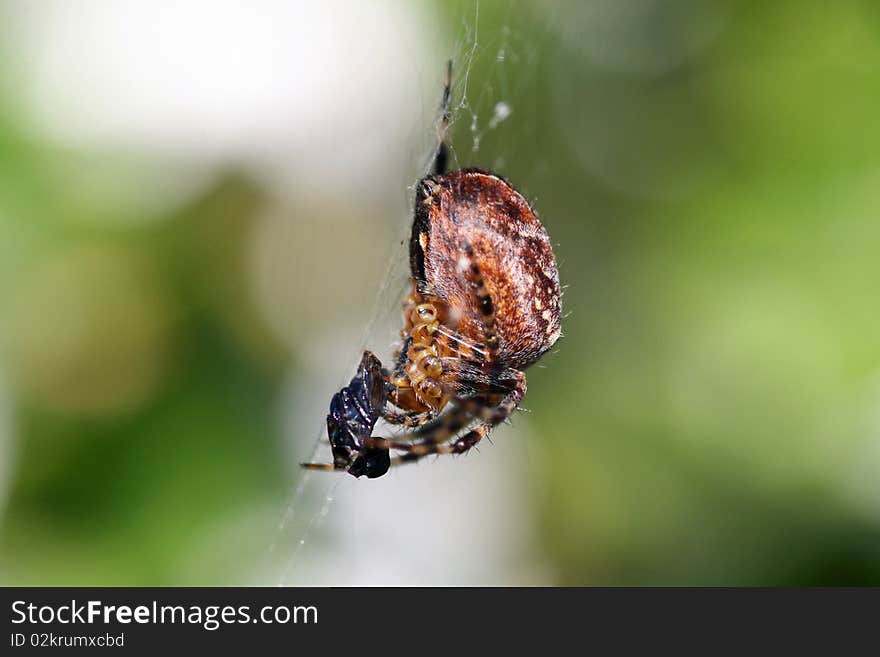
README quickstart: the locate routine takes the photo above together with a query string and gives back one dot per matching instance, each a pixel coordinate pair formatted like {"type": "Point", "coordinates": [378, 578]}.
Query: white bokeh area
{"type": "Point", "coordinates": [304, 94]}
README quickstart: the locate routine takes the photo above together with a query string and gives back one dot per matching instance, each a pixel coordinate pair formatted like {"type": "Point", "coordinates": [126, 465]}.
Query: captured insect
{"type": "Point", "coordinates": [485, 304]}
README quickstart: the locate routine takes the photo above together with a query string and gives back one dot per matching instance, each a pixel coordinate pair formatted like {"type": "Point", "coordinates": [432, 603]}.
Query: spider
{"type": "Point", "coordinates": [484, 305]}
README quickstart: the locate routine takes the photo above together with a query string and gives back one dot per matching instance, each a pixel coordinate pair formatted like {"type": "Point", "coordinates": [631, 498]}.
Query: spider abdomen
{"type": "Point", "coordinates": [473, 219]}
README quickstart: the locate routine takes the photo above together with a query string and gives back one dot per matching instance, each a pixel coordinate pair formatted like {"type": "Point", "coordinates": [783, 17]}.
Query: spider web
{"type": "Point", "coordinates": [487, 64]}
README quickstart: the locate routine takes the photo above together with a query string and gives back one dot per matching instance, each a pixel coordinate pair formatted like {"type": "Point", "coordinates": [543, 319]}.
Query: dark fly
{"type": "Point", "coordinates": [354, 411]}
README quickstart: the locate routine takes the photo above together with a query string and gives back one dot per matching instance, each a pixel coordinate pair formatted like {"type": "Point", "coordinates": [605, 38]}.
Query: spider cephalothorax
{"type": "Point", "coordinates": [485, 304]}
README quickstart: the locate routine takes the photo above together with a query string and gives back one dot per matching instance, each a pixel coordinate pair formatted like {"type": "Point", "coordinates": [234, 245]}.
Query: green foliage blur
{"type": "Point", "coordinates": [712, 416]}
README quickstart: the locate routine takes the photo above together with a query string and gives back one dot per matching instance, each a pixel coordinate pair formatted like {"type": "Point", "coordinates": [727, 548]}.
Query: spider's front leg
{"type": "Point", "coordinates": [409, 419]}
{"type": "Point", "coordinates": [489, 416]}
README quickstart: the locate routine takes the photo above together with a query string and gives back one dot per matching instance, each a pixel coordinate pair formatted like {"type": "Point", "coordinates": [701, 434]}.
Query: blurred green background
{"type": "Point", "coordinates": [193, 226]}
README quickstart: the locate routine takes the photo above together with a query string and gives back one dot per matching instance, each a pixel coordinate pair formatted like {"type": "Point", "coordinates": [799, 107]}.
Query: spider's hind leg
{"type": "Point", "coordinates": [441, 156]}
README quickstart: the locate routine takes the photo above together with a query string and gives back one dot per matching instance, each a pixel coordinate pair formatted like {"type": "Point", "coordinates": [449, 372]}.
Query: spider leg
{"type": "Point", "coordinates": [464, 348]}
{"type": "Point", "coordinates": [400, 357]}
{"type": "Point", "coordinates": [447, 426]}
{"type": "Point", "coordinates": [409, 419]}
{"type": "Point", "coordinates": [441, 157]}
{"type": "Point", "coordinates": [324, 467]}
{"type": "Point", "coordinates": [490, 417]}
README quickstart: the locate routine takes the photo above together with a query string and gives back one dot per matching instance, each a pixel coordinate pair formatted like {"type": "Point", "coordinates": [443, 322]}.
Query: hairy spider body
{"type": "Point", "coordinates": [485, 304]}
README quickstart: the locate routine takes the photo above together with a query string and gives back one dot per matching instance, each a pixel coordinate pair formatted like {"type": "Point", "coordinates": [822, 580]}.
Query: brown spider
{"type": "Point", "coordinates": [485, 304]}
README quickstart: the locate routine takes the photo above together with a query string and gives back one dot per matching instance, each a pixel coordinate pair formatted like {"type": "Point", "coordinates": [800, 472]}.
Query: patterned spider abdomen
{"type": "Point", "coordinates": [474, 217]}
